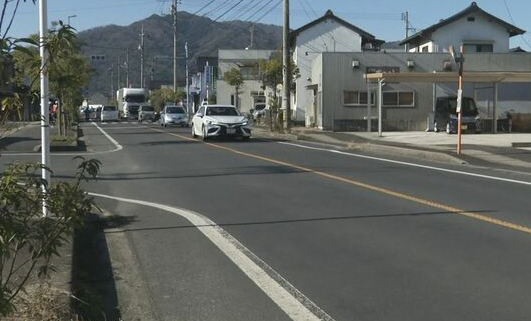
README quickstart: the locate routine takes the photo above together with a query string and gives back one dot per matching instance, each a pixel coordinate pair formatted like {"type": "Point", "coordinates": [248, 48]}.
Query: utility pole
{"type": "Point", "coordinates": [111, 70]}
{"type": "Point", "coordinates": [174, 13]}
{"type": "Point", "coordinates": [187, 81]}
{"type": "Point", "coordinates": [141, 47]}
{"type": "Point", "coordinates": [252, 30]}
{"type": "Point", "coordinates": [45, 112]}
{"type": "Point", "coordinates": [207, 79]}
{"type": "Point", "coordinates": [405, 18]}
{"type": "Point", "coordinates": [127, 68]}
{"type": "Point", "coordinates": [285, 67]}
{"type": "Point", "coordinates": [119, 73]}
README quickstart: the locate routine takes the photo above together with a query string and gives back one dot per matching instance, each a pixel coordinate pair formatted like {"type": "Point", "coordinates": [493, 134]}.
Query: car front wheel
{"type": "Point", "coordinates": [193, 132]}
{"type": "Point", "coordinates": [205, 138]}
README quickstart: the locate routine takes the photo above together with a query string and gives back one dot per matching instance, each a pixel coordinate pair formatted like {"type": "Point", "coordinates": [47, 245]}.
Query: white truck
{"type": "Point", "coordinates": [129, 100]}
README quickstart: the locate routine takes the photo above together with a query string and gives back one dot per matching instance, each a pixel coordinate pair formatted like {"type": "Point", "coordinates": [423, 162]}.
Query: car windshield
{"type": "Point", "coordinates": [221, 111]}
{"type": "Point", "coordinates": [109, 108]}
{"type": "Point", "coordinates": [468, 107]}
{"type": "Point", "coordinates": [135, 98]}
{"type": "Point", "coordinates": [175, 110]}
{"type": "Point", "coordinates": [259, 107]}
{"type": "Point", "coordinates": [147, 108]}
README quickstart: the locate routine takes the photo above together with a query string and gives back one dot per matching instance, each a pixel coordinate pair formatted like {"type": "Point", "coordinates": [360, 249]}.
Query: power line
{"type": "Point", "coordinates": [269, 11]}
{"type": "Point", "coordinates": [243, 11]}
{"type": "Point", "coordinates": [228, 10]}
{"type": "Point", "coordinates": [258, 11]}
{"type": "Point", "coordinates": [216, 8]}
{"type": "Point", "coordinates": [203, 7]}
{"type": "Point", "coordinates": [512, 21]}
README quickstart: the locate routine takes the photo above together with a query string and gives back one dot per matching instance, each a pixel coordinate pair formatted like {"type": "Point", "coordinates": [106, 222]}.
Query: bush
{"type": "Point", "coordinates": [28, 241]}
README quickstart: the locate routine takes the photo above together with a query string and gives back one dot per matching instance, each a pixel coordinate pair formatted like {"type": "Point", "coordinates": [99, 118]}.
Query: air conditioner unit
{"type": "Point", "coordinates": [410, 64]}
{"type": "Point", "coordinates": [355, 63]}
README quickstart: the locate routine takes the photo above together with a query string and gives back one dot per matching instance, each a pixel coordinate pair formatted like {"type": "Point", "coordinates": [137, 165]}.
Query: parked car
{"type": "Point", "coordinates": [220, 120]}
{"type": "Point", "coordinates": [109, 113]}
{"type": "Point", "coordinates": [173, 115]}
{"type": "Point", "coordinates": [259, 111]}
{"type": "Point", "coordinates": [446, 115]}
{"type": "Point", "coordinates": [145, 113]}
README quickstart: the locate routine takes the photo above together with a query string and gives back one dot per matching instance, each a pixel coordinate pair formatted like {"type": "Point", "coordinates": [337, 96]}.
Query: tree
{"type": "Point", "coordinates": [234, 78]}
{"type": "Point", "coordinates": [160, 97]}
{"type": "Point", "coordinates": [271, 75]}
{"type": "Point", "coordinates": [8, 46]}
{"type": "Point", "coordinates": [68, 71]}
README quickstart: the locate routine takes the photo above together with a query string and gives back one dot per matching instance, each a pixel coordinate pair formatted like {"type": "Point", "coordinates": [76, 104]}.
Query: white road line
{"type": "Point", "coordinates": [117, 145]}
{"type": "Point", "coordinates": [508, 180]}
{"type": "Point", "coordinates": [286, 296]}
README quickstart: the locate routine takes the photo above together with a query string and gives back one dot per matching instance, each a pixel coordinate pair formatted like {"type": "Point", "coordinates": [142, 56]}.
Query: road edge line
{"type": "Point", "coordinates": [288, 298]}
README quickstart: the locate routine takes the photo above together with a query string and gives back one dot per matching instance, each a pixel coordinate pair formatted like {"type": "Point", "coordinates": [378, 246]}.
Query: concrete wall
{"type": "Point", "coordinates": [328, 36]}
{"type": "Point", "coordinates": [338, 75]}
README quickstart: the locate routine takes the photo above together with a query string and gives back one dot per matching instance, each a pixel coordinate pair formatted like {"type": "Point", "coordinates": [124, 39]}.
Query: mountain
{"type": "Point", "coordinates": [204, 37]}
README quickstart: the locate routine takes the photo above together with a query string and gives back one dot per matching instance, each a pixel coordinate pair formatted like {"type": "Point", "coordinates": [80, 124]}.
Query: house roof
{"type": "Point", "coordinates": [472, 9]}
{"type": "Point", "coordinates": [330, 15]}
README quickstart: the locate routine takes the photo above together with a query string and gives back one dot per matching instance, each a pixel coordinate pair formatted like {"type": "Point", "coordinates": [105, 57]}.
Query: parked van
{"type": "Point", "coordinates": [446, 115]}
{"type": "Point", "coordinates": [109, 113]}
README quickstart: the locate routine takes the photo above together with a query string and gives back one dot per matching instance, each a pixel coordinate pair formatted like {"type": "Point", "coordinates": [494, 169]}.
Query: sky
{"type": "Point", "coordinates": [382, 18]}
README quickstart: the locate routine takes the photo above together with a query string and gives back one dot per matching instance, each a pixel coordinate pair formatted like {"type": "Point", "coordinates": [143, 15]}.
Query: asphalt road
{"type": "Point", "coordinates": [360, 238]}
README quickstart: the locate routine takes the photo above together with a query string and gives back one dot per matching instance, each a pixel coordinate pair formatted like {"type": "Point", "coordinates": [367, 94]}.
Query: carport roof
{"type": "Point", "coordinates": [434, 77]}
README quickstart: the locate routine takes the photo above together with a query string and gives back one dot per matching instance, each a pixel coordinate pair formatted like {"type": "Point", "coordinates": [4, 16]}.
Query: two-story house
{"type": "Point", "coordinates": [328, 33]}
{"type": "Point", "coordinates": [476, 29]}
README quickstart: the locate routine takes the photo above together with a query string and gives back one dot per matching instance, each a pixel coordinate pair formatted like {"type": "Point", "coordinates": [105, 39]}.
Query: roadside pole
{"type": "Point", "coordinates": [187, 81]}
{"type": "Point", "coordinates": [460, 61]}
{"type": "Point", "coordinates": [285, 67]}
{"type": "Point", "coordinates": [380, 98]}
{"type": "Point", "coordinates": [369, 102]}
{"type": "Point", "coordinates": [174, 14]}
{"type": "Point", "coordinates": [45, 112]}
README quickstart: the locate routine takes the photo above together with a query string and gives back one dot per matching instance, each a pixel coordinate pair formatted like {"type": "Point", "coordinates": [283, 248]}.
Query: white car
{"type": "Point", "coordinates": [109, 113]}
{"type": "Point", "coordinates": [173, 115]}
{"type": "Point", "coordinates": [220, 120]}
{"type": "Point", "coordinates": [146, 113]}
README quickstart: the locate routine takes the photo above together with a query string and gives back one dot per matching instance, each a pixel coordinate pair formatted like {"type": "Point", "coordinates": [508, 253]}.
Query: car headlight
{"type": "Point", "coordinates": [212, 123]}
{"type": "Point", "coordinates": [245, 123]}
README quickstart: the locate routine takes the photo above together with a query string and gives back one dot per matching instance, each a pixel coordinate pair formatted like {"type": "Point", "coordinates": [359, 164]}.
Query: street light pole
{"type": "Point", "coordinates": [45, 112]}
{"type": "Point", "coordinates": [72, 16]}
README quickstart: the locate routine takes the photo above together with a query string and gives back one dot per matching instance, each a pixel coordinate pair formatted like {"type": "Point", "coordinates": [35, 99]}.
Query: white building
{"type": "Point", "coordinates": [476, 29]}
{"type": "Point", "coordinates": [247, 61]}
{"type": "Point", "coordinates": [325, 34]}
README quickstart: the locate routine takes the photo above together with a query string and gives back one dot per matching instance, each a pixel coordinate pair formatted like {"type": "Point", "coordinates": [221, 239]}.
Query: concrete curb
{"type": "Point", "coordinates": [370, 147]}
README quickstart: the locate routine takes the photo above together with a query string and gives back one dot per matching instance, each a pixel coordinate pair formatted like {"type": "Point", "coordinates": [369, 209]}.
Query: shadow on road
{"type": "Point", "coordinates": [92, 275]}
{"type": "Point", "coordinates": [204, 173]}
{"type": "Point", "coordinates": [6, 141]}
{"type": "Point", "coordinates": [303, 220]}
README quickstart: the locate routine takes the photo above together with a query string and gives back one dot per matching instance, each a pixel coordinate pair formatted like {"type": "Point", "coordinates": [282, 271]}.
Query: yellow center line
{"type": "Point", "coordinates": [447, 208]}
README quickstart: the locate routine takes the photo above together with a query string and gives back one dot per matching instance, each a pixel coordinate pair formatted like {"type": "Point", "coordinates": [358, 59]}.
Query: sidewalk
{"type": "Point", "coordinates": [504, 150]}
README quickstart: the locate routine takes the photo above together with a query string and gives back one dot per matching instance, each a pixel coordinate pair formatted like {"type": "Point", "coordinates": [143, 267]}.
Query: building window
{"type": "Point", "coordinates": [478, 47]}
{"type": "Point", "coordinates": [250, 72]}
{"type": "Point", "coordinates": [425, 49]}
{"type": "Point", "coordinates": [357, 98]}
{"type": "Point", "coordinates": [398, 99]}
